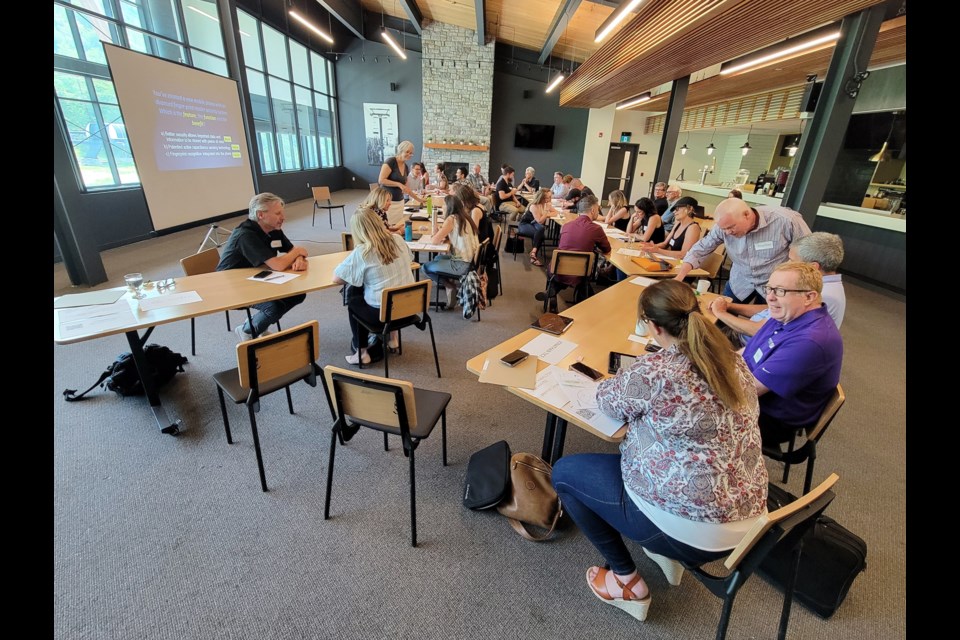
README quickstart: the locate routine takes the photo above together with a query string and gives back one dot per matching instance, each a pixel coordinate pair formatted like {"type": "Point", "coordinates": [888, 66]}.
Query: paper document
{"type": "Point", "coordinates": [549, 349]}
{"type": "Point", "coordinates": [522, 375]}
{"type": "Point", "coordinates": [628, 252]}
{"type": "Point", "coordinates": [107, 296]}
{"type": "Point", "coordinates": [643, 282]}
{"type": "Point", "coordinates": [635, 338]}
{"type": "Point", "coordinates": [279, 277]}
{"type": "Point", "coordinates": [170, 300]}
{"type": "Point", "coordinates": [578, 397]}
{"type": "Point", "coordinates": [81, 321]}
{"type": "Point", "coordinates": [427, 246]}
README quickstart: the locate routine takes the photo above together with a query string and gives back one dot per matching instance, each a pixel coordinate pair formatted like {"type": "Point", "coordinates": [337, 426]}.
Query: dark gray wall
{"type": "Point", "coordinates": [876, 255]}
{"type": "Point", "coordinates": [511, 108]}
{"type": "Point", "coordinates": [359, 82]}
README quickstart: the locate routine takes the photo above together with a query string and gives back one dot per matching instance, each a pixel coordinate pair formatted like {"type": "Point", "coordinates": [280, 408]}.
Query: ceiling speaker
{"type": "Point", "coordinates": [527, 94]}
{"type": "Point", "coordinates": [393, 86]}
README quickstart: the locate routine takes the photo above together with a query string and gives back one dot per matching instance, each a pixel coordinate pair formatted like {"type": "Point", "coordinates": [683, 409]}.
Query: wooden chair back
{"type": "Point", "coordinates": [572, 263]}
{"type": "Point", "coordinates": [829, 412]}
{"type": "Point", "coordinates": [712, 263]}
{"type": "Point", "coordinates": [321, 193]}
{"type": "Point", "coordinates": [202, 262]}
{"type": "Point", "coordinates": [405, 300]}
{"type": "Point", "coordinates": [765, 523]}
{"type": "Point", "coordinates": [346, 241]}
{"type": "Point", "coordinates": [270, 357]}
{"type": "Point", "coordinates": [370, 399]}
{"type": "Point", "coordinates": [497, 237]}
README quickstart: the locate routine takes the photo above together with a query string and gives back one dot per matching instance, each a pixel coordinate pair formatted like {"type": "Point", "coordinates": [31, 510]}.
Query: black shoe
{"type": "Point", "coordinates": [543, 295]}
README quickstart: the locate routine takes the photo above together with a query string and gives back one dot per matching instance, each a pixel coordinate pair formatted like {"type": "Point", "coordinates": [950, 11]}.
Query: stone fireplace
{"type": "Point", "coordinates": [457, 98]}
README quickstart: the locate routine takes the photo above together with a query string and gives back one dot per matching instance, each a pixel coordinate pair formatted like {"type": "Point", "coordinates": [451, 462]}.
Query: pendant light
{"type": "Point", "coordinates": [745, 149]}
{"type": "Point", "coordinates": [793, 146]}
{"type": "Point", "coordinates": [710, 147]}
{"type": "Point", "coordinates": [884, 154]}
{"type": "Point", "coordinates": [685, 148]}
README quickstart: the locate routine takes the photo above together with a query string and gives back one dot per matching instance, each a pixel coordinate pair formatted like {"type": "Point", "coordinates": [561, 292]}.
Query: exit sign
{"type": "Point", "coordinates": [625, 136]}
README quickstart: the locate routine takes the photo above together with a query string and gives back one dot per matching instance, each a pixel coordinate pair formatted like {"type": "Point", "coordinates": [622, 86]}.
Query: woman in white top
{"type": "Point", "coordinates": [379, 260]}
{"type": "Point", "coordinates": [459, 229]}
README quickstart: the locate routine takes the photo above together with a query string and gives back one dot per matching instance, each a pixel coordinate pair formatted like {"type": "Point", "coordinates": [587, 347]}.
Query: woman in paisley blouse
{"type": "Point", "coordinates": [689, 480]}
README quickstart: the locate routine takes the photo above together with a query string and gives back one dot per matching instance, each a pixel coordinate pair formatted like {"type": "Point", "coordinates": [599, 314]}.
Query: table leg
{"type": "Point", "coordinates": [548, 432]}
{"type": "Point", "coordinates": [558, 439]}
{"type": "Point", "coordinates": [140, 359]}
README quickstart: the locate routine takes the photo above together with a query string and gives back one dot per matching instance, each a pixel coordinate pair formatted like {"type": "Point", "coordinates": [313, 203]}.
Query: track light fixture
{"type": "Point", "coordinates": [632, 102]}
{"type": "Point", "coordinates": [309, 25]}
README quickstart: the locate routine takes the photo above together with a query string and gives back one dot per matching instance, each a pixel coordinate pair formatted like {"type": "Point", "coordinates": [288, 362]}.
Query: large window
{"type": "Point", "coordinates": [186, 31]}
{"type": "Point", "coordinates": [294, 102]}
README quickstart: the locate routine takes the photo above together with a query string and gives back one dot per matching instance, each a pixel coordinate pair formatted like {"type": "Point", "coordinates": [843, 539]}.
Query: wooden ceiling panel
{"type": "Point", "coordinates": [669, 39]}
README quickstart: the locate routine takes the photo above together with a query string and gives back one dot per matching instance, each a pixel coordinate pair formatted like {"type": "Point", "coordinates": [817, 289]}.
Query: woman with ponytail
{"type": "Point", "coordinates": [689, 480]}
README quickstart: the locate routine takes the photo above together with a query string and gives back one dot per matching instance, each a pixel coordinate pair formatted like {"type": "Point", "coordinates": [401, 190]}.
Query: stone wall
{"type": "Point", "coordinates": [457, 94]}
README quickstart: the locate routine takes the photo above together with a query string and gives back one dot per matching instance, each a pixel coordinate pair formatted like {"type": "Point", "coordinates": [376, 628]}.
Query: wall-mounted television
{"type": "Point", "coordinates": [533, 136]}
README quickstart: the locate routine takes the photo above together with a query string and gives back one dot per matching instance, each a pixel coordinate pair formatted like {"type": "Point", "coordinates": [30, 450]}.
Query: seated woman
{"type": "Point", "coordinates": [379, 260]}
{"type": "Point", "coordinates": [690, 480]}
{"type": "Point", "coordinates": [645, 223]}
{"type": "Point", "coordinates": [533, 223]}
{"type": "Point", "coordinates": [459, 229]}
{"type": "Point", "coordinates": [379, 201]}
{"type": "Point", "coordinates": [684, 234]}
{"type": "Point", "coordinates": [439, 179]}
{"type": "Point", "coordinates": [471, 204]}
{"type": "Point", "coordinates": [619, 213]}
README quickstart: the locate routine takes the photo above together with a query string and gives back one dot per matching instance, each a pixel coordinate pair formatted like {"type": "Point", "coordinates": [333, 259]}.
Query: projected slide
{"type": "Point", "coordinates": [195, 133]}
{"type": "Point", "coordinates": [187, 137]}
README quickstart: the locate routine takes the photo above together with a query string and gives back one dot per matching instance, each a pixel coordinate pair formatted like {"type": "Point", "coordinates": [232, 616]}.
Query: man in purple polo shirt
{"type": "Point", "coordinates": [796, 356]}
{"type": "Point", "coordinates": [579, 235]}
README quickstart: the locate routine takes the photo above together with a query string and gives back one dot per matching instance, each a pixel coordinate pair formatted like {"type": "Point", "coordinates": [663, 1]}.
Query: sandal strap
{"type": "Point", "coordinates": [628, 593]}
{"type": "Point", "coordinates": [599, 584]}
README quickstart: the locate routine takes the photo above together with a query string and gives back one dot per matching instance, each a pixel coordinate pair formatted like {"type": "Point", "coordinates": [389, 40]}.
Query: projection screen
{"type": "Point", "coordinates": [186, 135]}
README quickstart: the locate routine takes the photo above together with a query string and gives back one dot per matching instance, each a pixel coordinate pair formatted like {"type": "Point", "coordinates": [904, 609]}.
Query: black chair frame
{"type": "Point", "coordinates": [344, 430]}
{"type": "Point", "coordinates": [329, 208]}
{"type": "Point", "coordinates": [790, 533]}
{"type": "Point", "coordinates": [253, 399]}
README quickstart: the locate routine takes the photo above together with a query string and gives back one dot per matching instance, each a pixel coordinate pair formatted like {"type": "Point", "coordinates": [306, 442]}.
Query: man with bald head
{"type": "Point", "coordinates": [757, 240]}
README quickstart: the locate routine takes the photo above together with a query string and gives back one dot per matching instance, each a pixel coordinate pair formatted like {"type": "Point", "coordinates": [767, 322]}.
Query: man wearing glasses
{"type": "Point", "coordinates": [796, 355]}
{"type": "Point", "coordinates": [660, 197]}
{"type": "Point", "coordinates": [757, 240]}
{"type": "Point", "coordinates": [669, 213]}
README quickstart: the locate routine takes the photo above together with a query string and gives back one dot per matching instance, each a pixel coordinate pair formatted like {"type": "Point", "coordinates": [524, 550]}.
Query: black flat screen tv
{"type": "Point", "coordinates": [533, 136]}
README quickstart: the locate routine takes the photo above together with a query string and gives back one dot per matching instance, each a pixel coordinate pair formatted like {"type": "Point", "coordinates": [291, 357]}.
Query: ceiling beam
{"type": "Point", "coordinates": [346, 12]}
{"type": "Point", "coordinates": [567, 9]}
{"type": "Point", "coordinates": [481, 11]}
{"type": "Point", "coordinates": [413, 13]}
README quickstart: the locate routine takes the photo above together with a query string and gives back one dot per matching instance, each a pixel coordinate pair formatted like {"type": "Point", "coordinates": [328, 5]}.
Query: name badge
{"type": "Point", "coordinates": [763, 246]}
{"type": "Point", "coordinates": [757, 355]}
{"type": "Point", "coordinates": [275, 244]}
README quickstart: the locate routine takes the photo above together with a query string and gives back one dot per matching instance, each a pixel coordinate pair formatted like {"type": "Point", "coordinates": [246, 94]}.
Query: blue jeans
{"type": "Point", "coordinates": [591, 491]}
{"type": "Point", "coordinates": [533, 230]}
{"type": "Point", "coordinates": [272, 311]}
{"type": "Point", "coordinates": [753, 298]}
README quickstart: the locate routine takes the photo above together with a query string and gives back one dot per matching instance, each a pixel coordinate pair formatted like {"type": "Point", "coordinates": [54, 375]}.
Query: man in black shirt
{"type": "Point", "coordinates": [259, 242]}
{"type": "Point", "coordinates": [507, 195]}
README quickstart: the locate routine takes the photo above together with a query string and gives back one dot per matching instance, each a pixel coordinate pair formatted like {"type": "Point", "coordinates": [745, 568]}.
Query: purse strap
{"type": "Point", "coordinates": [521, 528]}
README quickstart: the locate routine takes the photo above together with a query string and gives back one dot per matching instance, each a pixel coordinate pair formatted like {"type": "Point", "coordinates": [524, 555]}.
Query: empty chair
{"type": "Point", "coordinates": [268, 364]}
{"type": "Point", "coordinates": [784, 527]}
{"type": "Point", "coordinates": [495, 254]}
{"type": "Point", "coordinates": [321, 200]}
{"type": "Point", "coordinates": [401, 307]}
{"type": "Point", "coordinates": [391, 406]}
{"type": "Point", "coordinates": [569, 263]}
{"type": "Point", "coordinates": [808, 450]}
{"type": "Point", "coordinates": [206, 262]}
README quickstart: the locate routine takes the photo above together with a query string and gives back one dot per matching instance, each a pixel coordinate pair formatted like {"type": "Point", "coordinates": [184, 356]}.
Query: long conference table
{"type": "Point", "coordinates": [602, 323]}
{"type": "Point", "coordinates": [219, 291]}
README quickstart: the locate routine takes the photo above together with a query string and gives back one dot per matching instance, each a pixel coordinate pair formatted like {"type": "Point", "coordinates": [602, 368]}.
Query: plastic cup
{"type": "Point", "coordinates": [703, 286]}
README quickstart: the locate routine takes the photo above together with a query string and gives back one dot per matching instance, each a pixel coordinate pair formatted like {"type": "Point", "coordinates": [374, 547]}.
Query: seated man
{"type": "Point", "coordinates": [508, 202]}
{"type": "Point", "coordinates": [259, 242]}
{"type": "Point", "coordinates": [579, 235]}
{"type": "Point", "coordinates": [796, 355]}
{"type": "Point", "coordinates": [825, 252]}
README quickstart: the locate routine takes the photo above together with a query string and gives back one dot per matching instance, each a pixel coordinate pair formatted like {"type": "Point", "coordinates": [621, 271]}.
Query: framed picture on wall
{"type": "Point", "coordinates": [380, 127]}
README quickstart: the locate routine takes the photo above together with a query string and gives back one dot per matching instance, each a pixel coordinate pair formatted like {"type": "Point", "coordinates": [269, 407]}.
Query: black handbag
{"type": "Point", "coordinates": [488, 477]}
{"type": "Point", "coordinates": [831, 558]}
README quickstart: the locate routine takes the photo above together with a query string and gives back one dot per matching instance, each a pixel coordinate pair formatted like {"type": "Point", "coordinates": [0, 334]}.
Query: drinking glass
{"type": "Point", "coordinates": [135, 284]}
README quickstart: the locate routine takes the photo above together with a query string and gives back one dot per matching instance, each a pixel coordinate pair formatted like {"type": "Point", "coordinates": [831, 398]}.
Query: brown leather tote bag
{"type": "Point", "coordinates": [532, 500]}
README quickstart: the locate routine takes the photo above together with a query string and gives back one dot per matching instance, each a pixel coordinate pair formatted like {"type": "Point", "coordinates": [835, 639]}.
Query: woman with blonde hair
{"type": "Point", "coordinates": [379, 201]}
{"type": "Point", "coordinates": [619, 212]}
{"type": "Point", "coordinates": [379, 260]}
{"type": "Point", "coordinates": [690, 480]}
{"type": "Point", "coordinates": [393, 172]}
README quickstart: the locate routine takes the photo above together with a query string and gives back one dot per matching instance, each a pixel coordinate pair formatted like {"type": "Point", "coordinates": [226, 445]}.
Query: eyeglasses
{"type": "Point", "coordinates": [780, 291]}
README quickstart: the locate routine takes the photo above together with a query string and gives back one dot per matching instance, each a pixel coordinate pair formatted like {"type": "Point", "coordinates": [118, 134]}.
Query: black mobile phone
{"type": "Point", "coordinates": [652, 347]}
{"type": "Point", "coordinates": [514, 358]}
{"type": "Point", "coordinates": [589, 372]}
{"type": "Point", "coordinates": [263, 274]}
{"type": "Point", "coordinates": [619, 361]}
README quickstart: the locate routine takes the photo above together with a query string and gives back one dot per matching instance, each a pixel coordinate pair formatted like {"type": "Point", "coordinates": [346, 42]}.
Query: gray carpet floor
{"type": "Point", "coordinates": [171, 537]}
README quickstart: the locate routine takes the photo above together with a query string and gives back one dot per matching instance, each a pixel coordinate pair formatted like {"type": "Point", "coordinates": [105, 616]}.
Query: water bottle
{"type": "Point", "coordinates": [408, 231]}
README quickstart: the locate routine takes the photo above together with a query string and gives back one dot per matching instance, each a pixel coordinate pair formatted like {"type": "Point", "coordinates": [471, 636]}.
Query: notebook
{"type": "Point", "coordinates": [552, 323]}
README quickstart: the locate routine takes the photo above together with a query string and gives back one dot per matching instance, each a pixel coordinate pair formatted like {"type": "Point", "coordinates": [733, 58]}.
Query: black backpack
{"type": "Point", "coordinates": [122, 377]}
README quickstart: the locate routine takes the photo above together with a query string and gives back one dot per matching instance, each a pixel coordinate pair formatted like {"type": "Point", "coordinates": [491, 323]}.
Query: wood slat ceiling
{"type": "Point", "coordinates": [891, 47]}
{"type": "Point", "coordinates": [670, 39]}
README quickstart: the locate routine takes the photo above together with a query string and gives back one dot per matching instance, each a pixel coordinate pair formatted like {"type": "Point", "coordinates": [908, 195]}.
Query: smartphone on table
{"type": "Point", "coordinates": [586, 371]}
{"type": "Point", "coordinates": [263, 274]}
{"type": "Point", "coordinates": [514, 358]}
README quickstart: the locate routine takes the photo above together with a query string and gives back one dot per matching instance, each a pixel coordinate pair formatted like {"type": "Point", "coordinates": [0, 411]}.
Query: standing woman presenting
{"type": "Point", "coordinates": [393, 172]}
